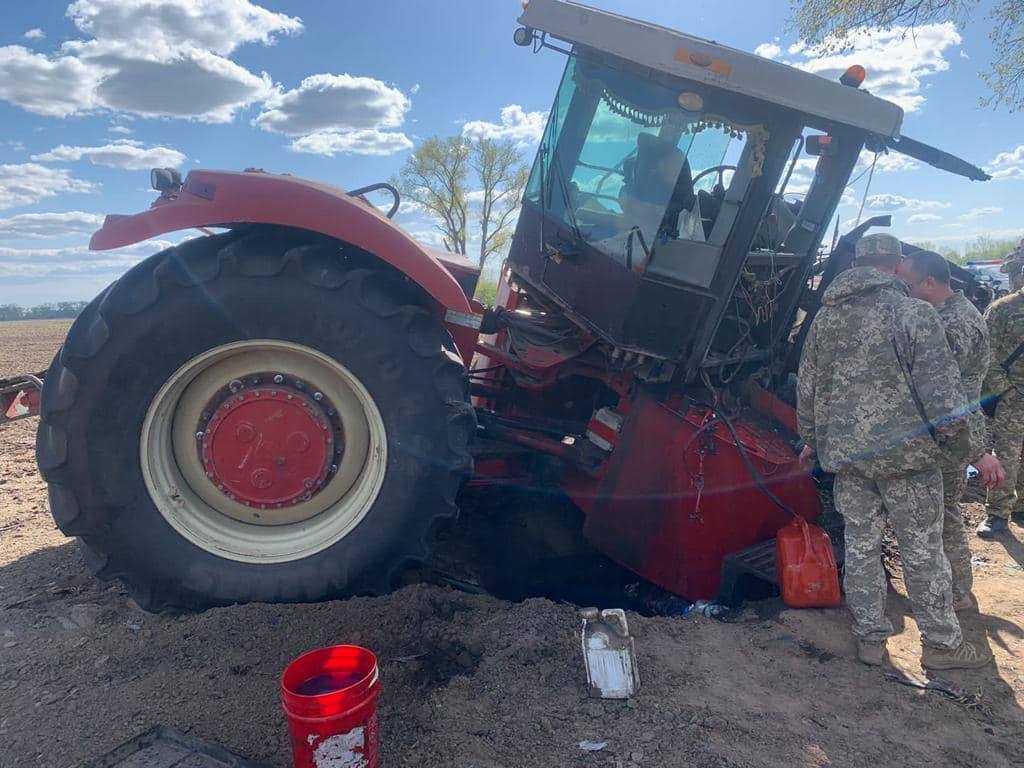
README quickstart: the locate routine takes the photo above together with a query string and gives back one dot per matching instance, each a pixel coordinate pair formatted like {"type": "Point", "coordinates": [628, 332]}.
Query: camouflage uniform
{"type": "Point", "coordinates": [1013, 266]}
{"type": "Point", "coordinates": [868, 346]}
{"type": "Point", "coordinates": [967, 336]}
{"type": "Point", "coordinates": [1005, 319]}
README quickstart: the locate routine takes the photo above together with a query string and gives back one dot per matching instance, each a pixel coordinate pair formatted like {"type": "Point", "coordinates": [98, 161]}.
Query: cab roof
{"type": "Point", "coordinates": [706, 61]}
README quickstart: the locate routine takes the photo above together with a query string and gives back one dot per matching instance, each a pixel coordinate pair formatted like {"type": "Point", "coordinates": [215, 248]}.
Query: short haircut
{"type": "Point", "coordinates": [930, 264]}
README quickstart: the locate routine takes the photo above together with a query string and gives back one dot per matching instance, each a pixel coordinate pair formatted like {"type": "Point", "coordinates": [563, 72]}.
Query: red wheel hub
{"type": "Point", "coordinates": [268, 447]}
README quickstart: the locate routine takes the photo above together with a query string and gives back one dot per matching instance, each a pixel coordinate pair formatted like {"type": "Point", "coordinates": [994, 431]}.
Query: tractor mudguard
{"type": "Point", "coordinates": [223, 198]}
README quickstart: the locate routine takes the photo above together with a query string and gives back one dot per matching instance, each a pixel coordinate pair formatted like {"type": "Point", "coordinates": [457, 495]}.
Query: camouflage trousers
{"type": "Point", "coordinates": [914, 506]}
{"type": "Point", "coordinates": [1007, 435]}
{"type": "Point", "coordinates": [954, 533]}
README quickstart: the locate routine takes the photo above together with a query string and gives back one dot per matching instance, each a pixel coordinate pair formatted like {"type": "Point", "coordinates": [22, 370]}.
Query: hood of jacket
{"type": "Point", "coordinates": [859, 281]}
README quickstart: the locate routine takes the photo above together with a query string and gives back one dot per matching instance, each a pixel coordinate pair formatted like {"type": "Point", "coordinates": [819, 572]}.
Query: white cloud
{"type": "Point", "coordinates": [34, 34]}
{"type": "Point", "coordinates": [889, 202]}
{"type": "Point", "coordinates": [190, 83]}
{"type": "Point", "coordinates": [980, 213]}
{"type": "Point", "coordinates": [1003, 174]}
{"type": "Point", "coordinates": [124, 153]}
{"type": "Point", "coordinates": [55, 87]}
{"type": "Point", "coordinates": [75, 260]}
{"type": "Point", "coordinates": [415, 89]}
{"type": "Point", "coordinates": [1007, 165]}
{"type": "Point", "coordinates": [38, 226]}
{"type": "Point", "coordinates": [337, 103]}
{"type": "Point", "coordinates": [365, 142]}
{"type": "Point", "coordinates": [890, 162]}
{"type": "Point", "coordinates": [1013, 157]}
{"type": "Point", "coordinates": [149, 57]}
{"type": "Point", "coordinates": [122, 129]}
{"type": "Point", "coordinates": [896, 59]}
{"type": "Point", "coordinates": [768, 50]}
{"type": "Point", "coordinates": [922, 218]}
{"type": "Point", "coordinates": [218, 26]}
{"type": "Point", "coordinates": [522, 127]}
{"type": "Point", "coordinates": [27, 183]}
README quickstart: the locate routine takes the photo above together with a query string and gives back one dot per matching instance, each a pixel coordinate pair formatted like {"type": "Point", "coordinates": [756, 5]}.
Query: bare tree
{"type": "Point", "coordinates": [435, 177]}
{"type": "Point", "coordinates": [438, 174]}
{"type": "Point", "coordinates": [502, 175]}
{"type": "Point", "coordinates": [833, 23]}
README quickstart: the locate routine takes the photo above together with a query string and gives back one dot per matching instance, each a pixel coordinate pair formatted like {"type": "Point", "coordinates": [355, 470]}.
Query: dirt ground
{"type": "Point", "coordinates": [473, 681]}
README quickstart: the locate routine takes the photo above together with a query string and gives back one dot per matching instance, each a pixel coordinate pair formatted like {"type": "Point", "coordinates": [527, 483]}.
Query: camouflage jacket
{"type": "Point", "coordinates": [1005, 320]}
{"type": "Point", "coordinates": [967, 336]}
{"type": "Point", "coordinates": [875, 366]}
{"type": "Point", "coordinates": [1014, 261]}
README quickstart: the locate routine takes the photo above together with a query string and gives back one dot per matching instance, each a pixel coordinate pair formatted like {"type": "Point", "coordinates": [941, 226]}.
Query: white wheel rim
{"type": "Point", "coordinates": [195, 508]}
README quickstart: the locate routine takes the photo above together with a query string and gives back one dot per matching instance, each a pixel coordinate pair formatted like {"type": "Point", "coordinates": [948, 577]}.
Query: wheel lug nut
{"type": "Point", "coordinates": [278, 378]}
{"type": "Point", "coordinates": [318, 396]}
{"type": "Point", "coordinates": [235, 385]}
{"type": "Point", "coordinates": [199, 435]}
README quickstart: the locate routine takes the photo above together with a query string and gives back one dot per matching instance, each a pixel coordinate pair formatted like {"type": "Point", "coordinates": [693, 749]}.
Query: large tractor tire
{"type": "Point", "coordinates": [262, 415]}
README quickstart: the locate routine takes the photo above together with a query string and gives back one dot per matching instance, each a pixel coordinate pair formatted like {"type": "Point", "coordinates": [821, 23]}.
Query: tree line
{"type": "Point", "coordinates": [50, 311]}
{"type": "Point", "coordinates": [981, 248]}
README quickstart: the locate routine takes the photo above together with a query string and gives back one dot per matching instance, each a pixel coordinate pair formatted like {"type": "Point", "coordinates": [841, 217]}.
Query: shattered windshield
{"type": "Point", "coordinates": [628, 163]}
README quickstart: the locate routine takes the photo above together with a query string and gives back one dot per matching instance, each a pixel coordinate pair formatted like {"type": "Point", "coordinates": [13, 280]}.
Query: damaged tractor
{"type": "Point", "coordinates": [285, 410]}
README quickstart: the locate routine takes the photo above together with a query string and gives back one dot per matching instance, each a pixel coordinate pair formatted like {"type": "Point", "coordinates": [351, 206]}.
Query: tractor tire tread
{"type": "Point", "coordinates": [244, 252]}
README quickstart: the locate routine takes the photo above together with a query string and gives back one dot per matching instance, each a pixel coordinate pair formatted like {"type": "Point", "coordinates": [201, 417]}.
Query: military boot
{"type": "Point", "coordinates": [871, 652]}
{"type": "Point", "coordinates": [992, 527]}
{"type": "Point", "coordinates": [965, 656]}
{"type": "Point", "coordinates": [1017, 516]}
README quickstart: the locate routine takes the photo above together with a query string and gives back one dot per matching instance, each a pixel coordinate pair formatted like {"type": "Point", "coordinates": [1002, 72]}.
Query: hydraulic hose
{"type": "Point", "coordinates": [758, 480]}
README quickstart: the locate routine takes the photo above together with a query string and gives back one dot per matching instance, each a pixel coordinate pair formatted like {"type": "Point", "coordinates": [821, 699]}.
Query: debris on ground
{"type": "Point", "coordinates": [472, 680]}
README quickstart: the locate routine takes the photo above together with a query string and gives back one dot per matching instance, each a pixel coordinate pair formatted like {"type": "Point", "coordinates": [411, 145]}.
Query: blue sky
{"type": "Point", "coordinates": [94, 92]}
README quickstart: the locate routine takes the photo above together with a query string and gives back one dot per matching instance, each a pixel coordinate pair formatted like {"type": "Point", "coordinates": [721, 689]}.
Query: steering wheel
{"type": "Point", "coordinates": [719, 169]}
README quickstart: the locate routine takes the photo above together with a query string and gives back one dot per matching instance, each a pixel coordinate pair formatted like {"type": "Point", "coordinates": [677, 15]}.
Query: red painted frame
{"type": "Point", "coordinates": [222, 198]}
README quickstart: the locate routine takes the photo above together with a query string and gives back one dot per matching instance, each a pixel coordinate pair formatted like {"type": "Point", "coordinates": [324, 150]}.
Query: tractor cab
{"type": "Point", "coordinates": [682, 188]}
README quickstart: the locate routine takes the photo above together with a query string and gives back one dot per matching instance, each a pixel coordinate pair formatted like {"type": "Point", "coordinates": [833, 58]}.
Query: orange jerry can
{"type": "Point", "coordinates": [806, 566]}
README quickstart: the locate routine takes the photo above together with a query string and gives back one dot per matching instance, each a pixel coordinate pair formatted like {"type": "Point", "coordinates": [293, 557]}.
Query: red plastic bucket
{"type": "Point", "coordinates": [330, 699]}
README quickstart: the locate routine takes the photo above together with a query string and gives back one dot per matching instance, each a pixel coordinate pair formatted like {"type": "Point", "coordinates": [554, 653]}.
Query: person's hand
{"type": "Point", "coordinates": [990, 470]}
{"type": "Point", "coordinates": [807, 458]}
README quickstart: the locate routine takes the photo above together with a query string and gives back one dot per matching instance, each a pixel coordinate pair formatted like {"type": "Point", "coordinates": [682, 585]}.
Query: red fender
{"type": "Point", "coordinates": [222, 198]}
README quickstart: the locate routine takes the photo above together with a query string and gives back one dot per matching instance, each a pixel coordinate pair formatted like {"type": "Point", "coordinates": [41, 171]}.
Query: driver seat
{"type": "Point", "coordinates": [652, 177]}
{"type": "Point", "coordinates": [710, 205]}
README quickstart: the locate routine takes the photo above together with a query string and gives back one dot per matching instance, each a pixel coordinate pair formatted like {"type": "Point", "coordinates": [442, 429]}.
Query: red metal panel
{"type": "Point", "coordinates": [650, 513]}
{"type": "Point", "coordinates": [213, 198]}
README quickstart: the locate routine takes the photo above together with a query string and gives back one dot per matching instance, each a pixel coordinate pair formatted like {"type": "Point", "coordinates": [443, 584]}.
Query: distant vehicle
{"type": "Point", "coordinates": [988, 273]}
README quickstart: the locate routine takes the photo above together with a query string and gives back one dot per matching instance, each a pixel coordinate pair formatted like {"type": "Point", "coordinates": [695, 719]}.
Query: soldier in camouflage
{"type": "Point", "coordinates": [879, 401]}
{"type": "Point", "coordinates": [1013, 267]}
{"type": "Point", "coordinates": [927, 275]}
{"type": "Point", "coordinates": [1005, 379]}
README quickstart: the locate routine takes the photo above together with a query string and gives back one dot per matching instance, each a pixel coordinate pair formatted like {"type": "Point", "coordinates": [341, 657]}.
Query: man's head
{"type": "Point", "coordinates": [927, 275]}
{"type": "Point", "coordinates": [878, 251]}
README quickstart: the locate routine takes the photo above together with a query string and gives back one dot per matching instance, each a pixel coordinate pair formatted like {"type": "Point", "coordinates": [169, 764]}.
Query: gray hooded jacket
{"type": "Point", "coordinates": [879, 392]}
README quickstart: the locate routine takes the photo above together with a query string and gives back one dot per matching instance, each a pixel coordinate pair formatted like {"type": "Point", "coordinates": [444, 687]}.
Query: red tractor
{"type": "Point", "coordinates": [284, 410]}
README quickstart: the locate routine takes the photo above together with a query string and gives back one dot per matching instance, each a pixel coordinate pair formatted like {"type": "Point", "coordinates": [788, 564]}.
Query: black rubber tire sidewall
{"type": "Point", "coordinates": [390, 355]}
